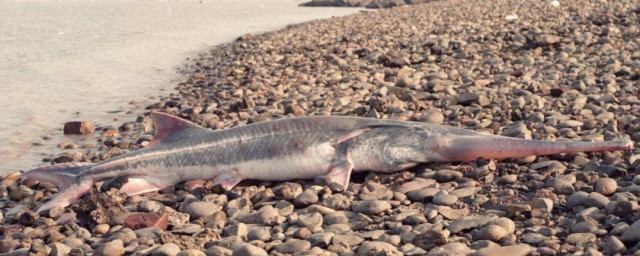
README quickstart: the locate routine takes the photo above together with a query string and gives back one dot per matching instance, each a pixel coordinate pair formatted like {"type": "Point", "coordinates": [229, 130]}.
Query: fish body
{"type": "Point", "coordinates": [297, 148]}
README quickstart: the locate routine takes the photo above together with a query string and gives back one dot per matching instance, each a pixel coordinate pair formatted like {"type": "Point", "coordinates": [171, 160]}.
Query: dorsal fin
{"type": "Point", "coordinates": [167, 125]}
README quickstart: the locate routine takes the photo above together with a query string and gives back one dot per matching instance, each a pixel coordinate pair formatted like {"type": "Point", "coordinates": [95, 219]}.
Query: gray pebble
{"type": "Point", "coordinates": [371, 207]}
{"type": "Point", "coordinates": [259, 233]}
{"type": "Point", "coordinates": [443, 198]}
{"type": "Point", "coordinates": [492, 233]}
{"type": "Point", "coordinates": [249, 250]}
{"type": "Point", "coordinates": [191, 252]}
{"type": "Point", "coordinates": [167, 249]}
{"type": "Point", "coordinates": [612, 246]}
{"type": "Point", "coordinates": [369, 247]}
{"type": "Point", "coordinates": [201, 209]}
{"type": "Point", "coordinates": [293, 246]}
{"type": "Point", "coordinates": [606, 186]}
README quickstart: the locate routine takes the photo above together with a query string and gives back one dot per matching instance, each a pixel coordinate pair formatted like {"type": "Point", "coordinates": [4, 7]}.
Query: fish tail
{"type": "Point", "coordinates": [68, 177]}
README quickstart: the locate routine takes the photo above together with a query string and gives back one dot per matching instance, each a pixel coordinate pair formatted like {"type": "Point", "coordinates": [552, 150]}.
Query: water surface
{"type": "Point", "coordinates": [72, 60]}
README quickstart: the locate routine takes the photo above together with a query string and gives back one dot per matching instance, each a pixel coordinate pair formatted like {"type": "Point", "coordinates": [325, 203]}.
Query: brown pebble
{"type": "Point", "coordinates": [79, 127]}
{"type": "Point", "coordinates": [144, 220]}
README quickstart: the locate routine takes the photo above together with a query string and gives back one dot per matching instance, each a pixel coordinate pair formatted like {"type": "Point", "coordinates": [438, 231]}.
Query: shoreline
{"type": "Point", "coordinates": [540, 75]}
{"type": "Point", "coordinates": [131, 58]}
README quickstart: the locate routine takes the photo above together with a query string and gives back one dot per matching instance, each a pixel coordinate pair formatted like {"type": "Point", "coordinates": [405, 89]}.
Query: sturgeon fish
{"type": "Point", "coordinates": [296, 148]}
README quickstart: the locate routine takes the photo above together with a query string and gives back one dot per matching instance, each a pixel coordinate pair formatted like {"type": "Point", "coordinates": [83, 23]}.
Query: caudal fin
{"type": "Point", "coordinates": [67, 177]}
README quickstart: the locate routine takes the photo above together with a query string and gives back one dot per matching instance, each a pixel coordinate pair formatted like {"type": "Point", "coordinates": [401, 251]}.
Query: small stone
{"type": "Point", "coordinates": [613, 246]}
{"type": "Point", "coordinates": [20, 192]}
{"type": "Point", "coordinates": [517, 209]}
{"type": "Point", "coordinates": [493, 233]}
{"type": "Point", "coordinates": [193, 186]}
{"type": "Point", "coordinates": [576, 199]}
{"type": "Point", "coordinates": [507, 224]}
{"type": "Point", "coordinates": [596, 200]}
{"type": "Point", "coordinates": [450, 213]}
{"type": "Point", "coordinates": [287, 191]}
{"type": "Point", "coordinates": [371, 207]}
{"type": "Point", "coordinates": [417, 183]}
{"type": "Point", "coordinates": [11, 179]}
{"type": "Point", "coordinates": [350, 240]}
{"type": "Point", "coordinates": [581, 238]}
{"type": "Point", "coordinates": [249, 250]}
{"type": "Point", "coordinates": [261, 234]}
{"type": "Point", "coordinates": [310, 220]}
{"type": "Point", "coordinates": [113, 248]}
{"type": "Point", "coordinates": [606, 186]}
{"type": "Point", "coordinates": [101, 229]}
{"type": "Point", "coordinates": [59, 249]}
{"type": "Point", "coordinates": [433, 116]}
{"type": "Point", "coordinates": [79, 127]}
{"type": "Point", "coordinates": [453, 248]}
{"type": "Point", "coordinates": [570, 124]}
{"type": "Point", "coordinates": [167, 249]}
{"type": "Point", "coordinates": [508, 179]}
{"type": "Point", "coordinates": [557, 91]}
{"type": "Point", "coordinates": [145, 220]}
{"type": "Point", "coordinates": [540, 206]}
{"type": "Point", "coordinates": [305, 199]}
{"type": "Point", "coordinates": [187, 229]}
{"type": "Point", "coordinates": [320, 239]}
{"type": "Point", "coordinates": [465, 192]}
{"type": "Point", "coordinates": [221, 251]}
{"type": "Point", "coordinates": [444, 198]}
{"type": "Point", "coordinates": [110, 132]}
{"type": "Point", "coordinates": [294, 109]}
{"type": "Point", "coordinates": [191, 252]}
{"type": "Point", "coordinates": [546, 39]}
{"type": "Point", "coordinates": [430, 239]}
{"type": "Point", "coordinates": [621, 208]}
{"type": "Point", "coordinates": [422, 195]}
{"type": "Point", "coordinates": [632, 233]}
{"type": "Point", "coordinates": [446, 175]}
{"type": "Point", "coordinates": [293, 246]}
{"type": "Point", "coordinates": [467, 98]}
{"type": "Point", "coordinates": [238, 230]}
{"type": "Point", "coordinates": [584, 227]}
{"type": "Point", "coordinates": [201, 209]}
{"type": "Point", "coordinates": [373, 247]}
{"type": "Point", "coordinates": [512, 250]}
{"type": "Point", "coordinates": [470, 222]}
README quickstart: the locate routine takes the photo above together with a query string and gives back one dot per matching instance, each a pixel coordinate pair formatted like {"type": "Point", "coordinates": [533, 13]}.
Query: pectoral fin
{"type": "Point", "coordinates": [228, 179]}
{"type": "Point", "coordinates": [136, 186]}
{"type": "Point", "coordinates": [340, 172]}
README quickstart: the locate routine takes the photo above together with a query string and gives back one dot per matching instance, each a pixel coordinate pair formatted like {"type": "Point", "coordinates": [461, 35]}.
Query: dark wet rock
{"type": "Point", "coordinates": [79, 127]}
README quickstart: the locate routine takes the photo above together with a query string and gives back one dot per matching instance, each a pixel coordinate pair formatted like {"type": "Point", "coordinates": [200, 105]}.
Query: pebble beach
{"type": "Point", "coordinates": [529, 69]}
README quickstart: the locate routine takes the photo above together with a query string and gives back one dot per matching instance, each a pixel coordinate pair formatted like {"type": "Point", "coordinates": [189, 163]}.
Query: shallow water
{"type": "Point", "coordinates": [86, 60]}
